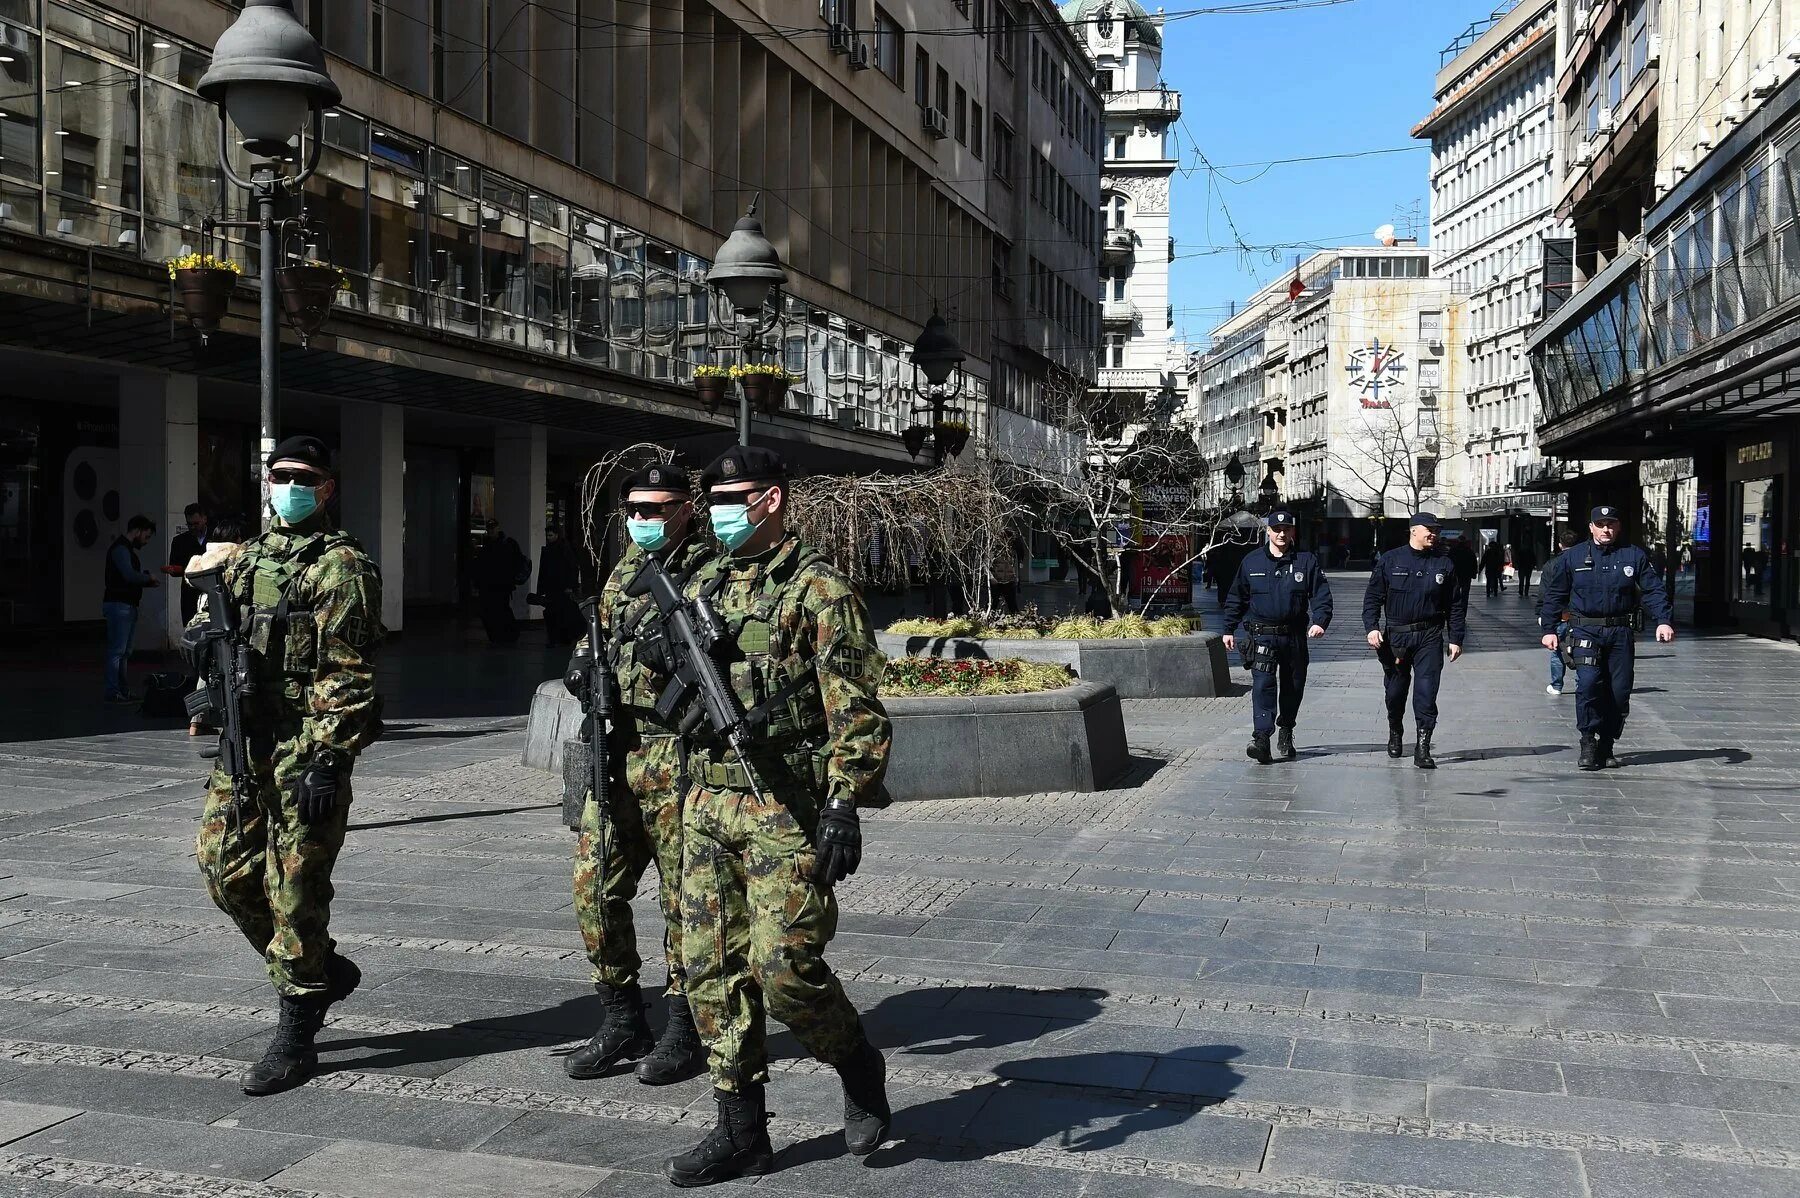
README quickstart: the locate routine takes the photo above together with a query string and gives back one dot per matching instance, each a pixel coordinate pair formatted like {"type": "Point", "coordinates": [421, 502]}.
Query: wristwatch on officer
{"type": "Point", "coordinates": [329, 760]}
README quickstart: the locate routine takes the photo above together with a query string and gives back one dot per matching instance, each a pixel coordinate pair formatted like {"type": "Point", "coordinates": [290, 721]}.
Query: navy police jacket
{"type": "Point", "coordinates": [1290, 589]}
{"type": "Point", "coordinates": [1604, 581]}
{"type": "Point", "coordinates": [1411, 585]}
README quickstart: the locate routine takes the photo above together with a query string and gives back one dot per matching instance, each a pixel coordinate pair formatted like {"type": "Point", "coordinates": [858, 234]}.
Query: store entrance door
{"type": "Point", "coordinates": [1759, 562]}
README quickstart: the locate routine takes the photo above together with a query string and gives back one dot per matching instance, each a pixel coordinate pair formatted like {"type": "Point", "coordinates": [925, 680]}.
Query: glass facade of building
{"type": "Point", "coordinates": [104, 142]}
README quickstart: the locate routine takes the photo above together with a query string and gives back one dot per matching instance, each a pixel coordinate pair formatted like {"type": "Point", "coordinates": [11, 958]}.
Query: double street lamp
{"type": "Point", "coordinates": [268, 78]}
{"type": "Point", "coordinates": [747, 271]}
{"type": "Point", "coordinates": [936, 357]}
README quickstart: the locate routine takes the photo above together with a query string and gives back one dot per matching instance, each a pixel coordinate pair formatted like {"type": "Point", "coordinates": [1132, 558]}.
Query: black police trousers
{"type": "Point", "coordinates": [1605, 661]}
{"type": "Point", "coordinates": [1412, 660]}
{"type": "Point", "coordinates": [1277, 680]}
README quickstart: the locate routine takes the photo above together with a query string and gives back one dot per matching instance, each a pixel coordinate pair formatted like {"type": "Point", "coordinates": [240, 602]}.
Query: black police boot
{"type": "Point", "coordinates": [679, 1054]}
{"type": "Point", "coordinates": [867, 1115]}
{"type": "Point", "coordinates": [1590, 749]}
{"type": "Point", "coordinates": [290, 1058]}
{"type": "Point", "coordinates": [1258, 748]}
{"type": "Point", "coordinates": [1284, 743]}
{"type": "Point", "coordinates": [1396, 734]}
{"type": "Point", "coordinates": [623, 1035]}
{"type": "Point", "coordinates": [342, 975]}
{"type": "Point", "coordinates": [737, 1146]}
{"type": "Point", "coordinates": [1422, 752]}
{"type": "Point", "coordinates": [1603, 756]}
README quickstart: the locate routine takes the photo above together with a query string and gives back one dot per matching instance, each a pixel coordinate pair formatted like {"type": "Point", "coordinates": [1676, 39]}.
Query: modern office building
{"type": "Point", "coordinates": [525, 196]}
{"type": "Point", "coordinates": [1676, 354]}
{"type": "Point", "coordinates": [1493, 178]}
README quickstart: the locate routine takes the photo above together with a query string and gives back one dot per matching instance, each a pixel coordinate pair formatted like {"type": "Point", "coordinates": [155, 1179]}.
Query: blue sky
{"type": "Point", "coordinates": [1351, 77]}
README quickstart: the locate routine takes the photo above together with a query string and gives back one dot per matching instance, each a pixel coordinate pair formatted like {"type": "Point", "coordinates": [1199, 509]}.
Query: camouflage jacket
{"type": "Point", "coordinates": [640, 676]}
{"type": "Point", "coordinates": [803, 650]}
{"type": "Point", "coordinates": [314, 671]}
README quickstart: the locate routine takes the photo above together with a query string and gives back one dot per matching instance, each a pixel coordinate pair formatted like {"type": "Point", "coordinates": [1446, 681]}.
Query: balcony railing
{"type": "Point", "coordinates": [1119, 245]}
{"type": "Point", "coordinates": [1116, 378]}
{"type": "Point", "coordinates": [1145, 101]}
{"type": "Point", "coordinates": [1118, 312]}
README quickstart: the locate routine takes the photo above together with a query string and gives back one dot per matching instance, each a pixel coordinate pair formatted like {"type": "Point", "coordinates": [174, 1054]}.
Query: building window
{"type": "Point", "coordinates": [1115, 350]}
{"type": "Point", "coordinates": [1103, 81]}
{"type": "Point", "coordinates": [1003, 36]}
{"type": "Point", "coordinates": [1118, 145]}
{"type": "Point", "coordinates": [1003, 152]}
{"type": "Point", "coordinates": [921, 78]}
{"type": "Point", "coordinates": [1431, 325]}
{"type": "Point", "coordinates": [943, 91]}
{"type": "Point", "coordinates": [977, 123]}
{"type": "Point", "coordinates": [890, 47]}
{"type": "Point", "coordinates": [961, 115]}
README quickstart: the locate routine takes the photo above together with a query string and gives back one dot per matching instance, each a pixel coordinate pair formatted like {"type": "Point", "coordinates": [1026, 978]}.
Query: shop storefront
{"type": "Point", "coordinates": [1759, 575]}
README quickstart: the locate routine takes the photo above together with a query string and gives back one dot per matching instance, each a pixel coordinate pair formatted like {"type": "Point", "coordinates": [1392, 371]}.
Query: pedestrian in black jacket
{"type": "Point", "coordinates": [500, 566]}
{"type": "Point", "coordinates": [1425, 603]}
{"type": "Point", "coordinates": [1282, 599]}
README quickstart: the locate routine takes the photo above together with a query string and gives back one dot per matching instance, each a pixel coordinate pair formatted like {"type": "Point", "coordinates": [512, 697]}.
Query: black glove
{"type": "Point", "coordinates": [575, 674]}
{"type": "Point", "coordinates": [840, 844]}
{"type": "Point", "coordinates": [316, 794]}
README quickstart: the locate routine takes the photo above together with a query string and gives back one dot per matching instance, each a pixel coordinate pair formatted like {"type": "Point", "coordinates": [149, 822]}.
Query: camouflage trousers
{"type": "Point", "coordinates": [272, 874]}
{"type": "Point", "coordinates": [645, 826]}
{"type": "Point", "coordinates": [756, 929]}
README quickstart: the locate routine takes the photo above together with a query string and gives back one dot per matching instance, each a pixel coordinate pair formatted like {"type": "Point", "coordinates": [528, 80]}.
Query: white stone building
{"type": "Point", "coordinates": [1137, 355]}
{"type": "Point", "coordinates": [1493, 182]}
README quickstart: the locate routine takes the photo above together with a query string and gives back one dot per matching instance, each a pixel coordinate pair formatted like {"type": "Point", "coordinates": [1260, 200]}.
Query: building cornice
{"type": "Point", "coordinates": [1483, 80]}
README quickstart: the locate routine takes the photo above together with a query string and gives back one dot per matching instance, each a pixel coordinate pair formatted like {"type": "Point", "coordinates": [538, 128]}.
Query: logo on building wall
{"type": "Point", "coordinates": [1376, 372]}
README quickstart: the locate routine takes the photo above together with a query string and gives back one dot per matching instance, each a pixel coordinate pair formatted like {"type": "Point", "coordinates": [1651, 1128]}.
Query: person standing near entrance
{"type": "Point", "coordinates": [642, 822]}
{"type": "Point", "coordinates": [126, 582]}
{"type": "Point", "coordinates": [309, 603]}
{"type": "Point", "coordinates": [1426, 605]}
{"type": "Point", "coordinates": [1282, 600]}
{"type": "Point", "coordinates": [1524, 561]}
{"type": "Point", "coordinates": [1493, 566]}
{"type": "Point", "coordinates": [187, 545]}
{"type": "Point", "coordinates": [1602, 583]}
{"type": "Point", "coordinates": [500, 566]}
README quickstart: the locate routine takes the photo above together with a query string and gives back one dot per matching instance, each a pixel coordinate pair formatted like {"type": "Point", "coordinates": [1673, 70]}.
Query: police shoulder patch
{"type": "Point", "coordinates": [1630, 570]}
{"type": "Point", "coordinates": [1440, 576]}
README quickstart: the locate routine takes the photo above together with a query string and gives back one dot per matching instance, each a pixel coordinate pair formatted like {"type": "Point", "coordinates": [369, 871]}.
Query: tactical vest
{"type": "Point", "coordinates": [784, 702]}
{"type": "Point", "coordinates": [638, 666]}
{"type": "Point", "coordinates": [283, 637]}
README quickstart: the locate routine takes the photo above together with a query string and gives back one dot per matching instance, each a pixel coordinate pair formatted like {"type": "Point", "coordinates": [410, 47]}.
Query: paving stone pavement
{"type": "Point", "coordinates": [1338, 977]}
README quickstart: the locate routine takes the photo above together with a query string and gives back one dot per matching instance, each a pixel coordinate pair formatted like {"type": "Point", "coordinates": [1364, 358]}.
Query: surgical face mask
{"type": "Point", "coordinates": [293, 502]}
{"type": "Point", "coordinates": [648, 535]}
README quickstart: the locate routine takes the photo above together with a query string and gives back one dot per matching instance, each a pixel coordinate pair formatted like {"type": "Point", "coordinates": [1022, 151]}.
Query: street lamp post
{"type": "Point", "coordinates": [747, 272]}
{"type": "Point", "coordinates": [1234, 474]}
{"type": "Point", "coordinates": [936, 356]}
{"type": "Point", "coordinates": [268, 77]}
{"type": "Point", "coordinates": [1270, 490]}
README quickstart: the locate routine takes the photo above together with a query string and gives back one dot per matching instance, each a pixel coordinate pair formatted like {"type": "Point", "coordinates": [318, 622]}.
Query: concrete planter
{"type": "Point", "coordinates": [1173, 667]}
{"type": "Point", "coordinates": [957, 746]}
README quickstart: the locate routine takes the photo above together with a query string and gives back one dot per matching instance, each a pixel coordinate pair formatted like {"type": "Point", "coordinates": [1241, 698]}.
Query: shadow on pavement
{"type": "Point", "coordinates": [1678, 756]}
{"type": "Point", "coordinates": [422, 732]}
{"type": "Point", "coordinates": [453, 815]}
{"type": "Point", "coordinates": [567, 1020]}
{"type": "Point", "coordinates": [1498, 754]}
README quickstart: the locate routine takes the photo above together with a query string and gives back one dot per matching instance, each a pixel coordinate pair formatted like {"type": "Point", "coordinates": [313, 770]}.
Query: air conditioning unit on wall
{"type": "Point", "coordinates": [935, 122]}
{"type": "Point", "coordinates": [860, 58]}
{"type": "Point", "coordinates": [840, 37]}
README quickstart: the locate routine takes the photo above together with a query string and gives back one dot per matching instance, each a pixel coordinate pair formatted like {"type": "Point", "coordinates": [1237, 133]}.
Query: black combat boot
{"type": "Point", "coordinates": [867, 1115]}
{"type": "Point", "coordinates": [1258, 748]}
{"type": "Point", "coordinates": [623, 1035]}
{"type": "Point", "coordinates": [1422, 752]}
{"type": "Point", "coordinates": [679, 1054]}
{"type": "Point", "coordinates": [1590, 749]}
{"type": "Point", "coordinates": [342, 975]}
{"type": "Point", "coordinates": [290, 1058]}
{"type": "Point", "coordinates": [737, 1146]}
{"type": "Point", "coordinates": [1603, 755]}
{"type": "Point", "coordinates": [1396, 734]}
{"type": "Point", "coordinates": [1284, 743]}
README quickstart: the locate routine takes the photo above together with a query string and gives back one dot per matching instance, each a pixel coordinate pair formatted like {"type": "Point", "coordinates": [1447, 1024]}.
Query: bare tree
{"type": "Point", "coordinates": [1386, 457]}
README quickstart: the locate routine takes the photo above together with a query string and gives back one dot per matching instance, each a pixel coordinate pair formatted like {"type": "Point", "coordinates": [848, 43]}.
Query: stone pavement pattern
{"type": "Point", "coordinates": [1339, 976]}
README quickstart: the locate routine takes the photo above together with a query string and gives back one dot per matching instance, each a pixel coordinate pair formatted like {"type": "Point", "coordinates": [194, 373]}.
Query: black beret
{"type": "Point", "coordinates": [745, 463]}
{"type": "Point", "coordinates": [659, 477]}
{"type": "Point", "coordinates": [303, 448]}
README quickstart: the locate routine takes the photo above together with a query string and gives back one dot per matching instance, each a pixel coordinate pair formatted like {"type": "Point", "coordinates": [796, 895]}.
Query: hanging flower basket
{"type": "Point", "coordinates": [777, 394]}
{"type": "Point", "coordinates": [307, 295]}
{"type": "Point", "coordinates": [756, 389]}
{"type": "Point", "coordinates": [203, 287]}
{"type": "Point", "coordinates": [709, 384]}
{"type": "Point", "coordinates": [914, 438]}
{"type": "Point", "coordinates": [952, 437]}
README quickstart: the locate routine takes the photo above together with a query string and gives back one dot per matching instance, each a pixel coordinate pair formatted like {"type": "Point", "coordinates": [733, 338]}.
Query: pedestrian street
{"type": "Point", "coordinates": [1340, 975]}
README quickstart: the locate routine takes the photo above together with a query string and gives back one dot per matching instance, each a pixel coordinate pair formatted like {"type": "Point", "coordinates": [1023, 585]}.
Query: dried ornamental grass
{"type": "Point", "coordinates": [910, 677]}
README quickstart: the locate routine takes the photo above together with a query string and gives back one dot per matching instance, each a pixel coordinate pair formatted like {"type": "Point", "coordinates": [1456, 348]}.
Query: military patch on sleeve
{"type": "Point", "coordinates": [358, 631]}
{"type": "Point", "coordinates": [847, 660]}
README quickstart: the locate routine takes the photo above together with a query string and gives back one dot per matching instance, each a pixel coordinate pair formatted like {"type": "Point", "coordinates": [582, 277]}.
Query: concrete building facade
{"type": "Point", "coordinates": [1492, 130]}
{"type": "Point", "coordinates": [524, 196]}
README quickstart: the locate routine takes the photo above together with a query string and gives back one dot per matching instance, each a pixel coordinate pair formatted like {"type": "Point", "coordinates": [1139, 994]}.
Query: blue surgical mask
{"type": "Point", "coordinates": [648, 535]}
{"type": "Point", "coordinates": [731, 524]}
{"type": "Point", "coordinates": [293, 502]}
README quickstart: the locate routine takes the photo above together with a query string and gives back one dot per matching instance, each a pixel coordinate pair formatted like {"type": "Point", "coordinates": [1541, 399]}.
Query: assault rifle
{"type": "Point", "coordinates": [222, 657]}
{"type": "Point", "coordinates": [591, 680]}
{"type": "Point", "coordinates": [690, 631]}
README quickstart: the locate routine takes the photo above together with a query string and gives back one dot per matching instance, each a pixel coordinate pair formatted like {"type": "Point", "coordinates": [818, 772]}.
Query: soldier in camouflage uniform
{"type": "Point", "coordinates": [645, 815]}
{"type": "Point", "coordinates": [757, 873]}
{"type": "Point", "coordinates": [310, 601]}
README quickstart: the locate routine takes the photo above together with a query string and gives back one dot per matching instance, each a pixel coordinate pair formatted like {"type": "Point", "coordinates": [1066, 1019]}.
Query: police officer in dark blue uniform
{"type": "Point", "coordinates": [1601, 583]}
{"type": "Point", "coordinates": [1281, 598]}
{"type": "Point", "coordinates": [1427, 605]}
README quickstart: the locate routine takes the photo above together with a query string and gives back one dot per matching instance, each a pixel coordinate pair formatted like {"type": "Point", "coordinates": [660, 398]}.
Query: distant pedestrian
{"type": "Point", "coordinates": [1282, 599]}
{"type": "Point", "coordinates": [1524, 562]}
{"type": "Point", "coordinates": [556, 583]}
{"type": "Point", "coordinates": [500, 567]}
{"type": "Point", "coordinates": [1566, 539]}
{"type": "Point", "coordinates": [1425, 603]}
{"type": "Point", "coordinates": [1462, 561]}
{"type": "Point", "coordinates": [1493, 567]}
{"type": "Point", "coordinates": [187, 545]}
{"type": "Point", "coordinates": [1603, 583]}
{"type": "Point", "coordinates": [126, 582]}
{"type": "Point", "coordinates": [1003, 576]}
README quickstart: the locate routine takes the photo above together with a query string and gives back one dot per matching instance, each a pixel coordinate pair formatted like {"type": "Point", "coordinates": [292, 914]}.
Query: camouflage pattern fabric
{"type": "Point", "coordinates": [646, 812]}
{"type": "Point", "coordinates": [755, 927]}
{"type": "Point", "coordinates": [314, 688]}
